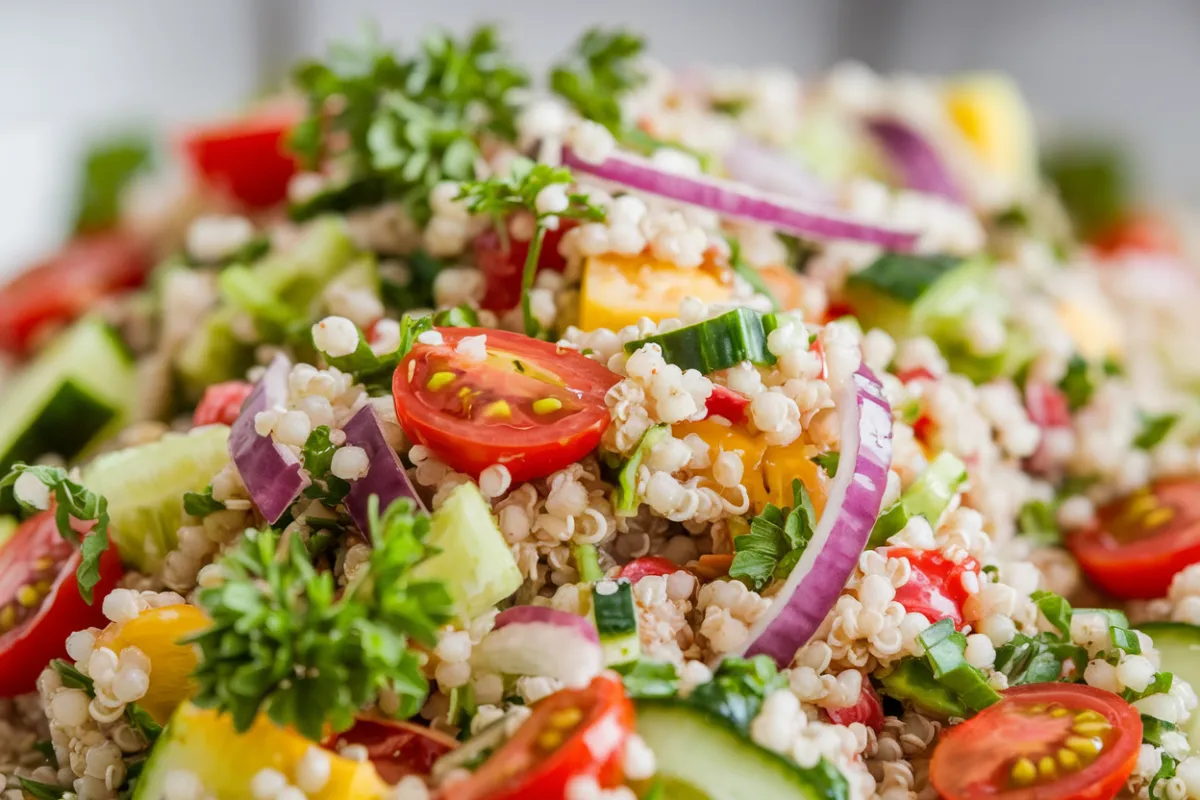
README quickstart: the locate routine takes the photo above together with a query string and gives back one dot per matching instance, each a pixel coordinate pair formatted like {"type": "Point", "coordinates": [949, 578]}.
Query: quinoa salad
{"type": "Point", "coordinates": [450, 432]}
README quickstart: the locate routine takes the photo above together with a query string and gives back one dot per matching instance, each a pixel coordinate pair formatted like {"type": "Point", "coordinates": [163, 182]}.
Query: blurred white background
{"type": "Point", "coordinates": [72, 68]}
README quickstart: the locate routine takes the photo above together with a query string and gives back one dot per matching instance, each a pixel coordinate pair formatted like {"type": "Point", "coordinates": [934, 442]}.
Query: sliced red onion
{"type": "Point", "coordinates": [771, 170]}
{"type": "Point", "coordinates": [914, 159]}
{"type": "Point", "coordinates": [536, 640]}
{"type": "Point", "coordinates": [855, 496]}
{"type": "Point", "coordinates": [739, 200]}
{"type": "Point", "coordinates": [272, 474]}
{"type": "Point", "coordinates": [385, 477]}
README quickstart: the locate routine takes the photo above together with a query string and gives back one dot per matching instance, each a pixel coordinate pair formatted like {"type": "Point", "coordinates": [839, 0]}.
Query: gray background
{"type": "Point", "coordinates": [68, 68]}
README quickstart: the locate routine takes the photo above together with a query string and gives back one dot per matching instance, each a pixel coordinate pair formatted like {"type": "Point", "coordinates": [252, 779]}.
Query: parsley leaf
{"type": "Point", "coordinates": [1078, 384]}
{"type": "Point", "coordinates": [42, 791]}
{"type": "Point", "coordinates": [201, 504]}
{"type": "Point", "coordinates": [1055, 609]}
{"type": "Point", "coordinates": [828, 462]}
{"type": "Point", "coordinates": [644, 678]}
{"type": "Point", "coordinates": [738, 688]}
{"type": "Point", "coordinates": [1036, 519]}
{"type": "Point", "coordinates": [108, 168]}
{"type": "Point", "coordinates": [285, 642]}
{"type": "Point", "coordinates": [1155, 428]}
{"type": "Point", "coordinates": [73, 678]}
{"type": "Point", "coordinates": [776, 540]}
{"type": "Point", "coordinates": [602, 66]}
{"type": "Point", "coordinates": [317, 455]}
{"type": "Point", "coordinates": [72, 499]}
{"type": "Point", "coordinates": [750, 274]}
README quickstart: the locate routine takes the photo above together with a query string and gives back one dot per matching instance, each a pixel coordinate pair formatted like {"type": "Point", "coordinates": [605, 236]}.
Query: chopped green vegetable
{"type": "Point", "coordinates": [944, 648]}
{"type": "Point", "coordinates": [108, 168]}
{"type": "Point", "coordinates": [372, 370]}
{"type": "Point", "coordinates": [42, 791]}
{"type": "Point", "coordinates": [201, 504]}
{"type": "Point", "coordinates": [317, 456]}
{"type": "Point", "coordinates": [615, 615]}
{"type": "Point", "coordinates": [929, 496]}
{"type": "Point", "coordinates": [828, 462]}
{"type": "Point", "coordinates": [749, 274]}
{"type": "Point", "coordinates": [777, 539]}
{"type": "Point", "coordinates": [627, 500]}
{"type": "Point", "coordinates": [1160, 685]}
{"type": "Point", "coordinates": [1125, 640]}
{"type": "Point", "coordinates": [719, 343]}
{"type": "Point", "coordinates": [462, 316]}
{"type": "Point", "coordinates": [903, 276]}
{"type": "Point", "coordinates": [587, 563]}
{"type": "Point", "coordinates": [1093, 182]}
{"type": "Point", "coordinates": [738, 688]}
{"type": "Point", "coordinates": [1038, 659]}
{"type": "Point", "coordinates": [1055, 609]}
{"type": "Point", "coordinates": [912, 681]}
{"type": "Point", "coordinates": [73, 678]}
{"type": "Point", "coordinates": [1155, 428]}
{"type": "Point", "coordinates": [649, 678]}
{"type": "Point", "coordinates": [1036, 520]}
{"type": "Point", "coordinates": [602, 67]}
{"type": "Point", "coordinates": [1079, 383]}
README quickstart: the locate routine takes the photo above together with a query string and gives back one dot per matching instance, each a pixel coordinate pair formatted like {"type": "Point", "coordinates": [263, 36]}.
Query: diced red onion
{"type": "Point", "coordinates": [739, 200]}
{"type": "Point", "coordinates": [272, 474]}
{"type": "Point", "coordinates": [855, 497]}
{"type": "Point", "coordinates": [385, 477]}
{"type": "Point", "coordinates": [770, 170]}
{"type": "Point", "coordinates": [914, 159]}
{"type": "Point", "coordinates": [536, 640]}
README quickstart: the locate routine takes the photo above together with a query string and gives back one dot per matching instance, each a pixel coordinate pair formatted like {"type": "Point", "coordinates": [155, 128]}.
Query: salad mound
{"type": "Point", "coordinates": [656, 435]}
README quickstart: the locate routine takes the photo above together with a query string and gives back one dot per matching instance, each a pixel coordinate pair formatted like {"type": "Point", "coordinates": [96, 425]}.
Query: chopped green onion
{"type": "Point", "coordinates": [944, 647]}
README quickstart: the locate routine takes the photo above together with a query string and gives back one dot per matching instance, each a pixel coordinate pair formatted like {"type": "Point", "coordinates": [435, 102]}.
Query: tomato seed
{"type": "Point", "coordinates": [1069, 760]}
{"type": "Point", "coordinates": [1047, 768]}
{"type": "Point", "coordinates": [547, 405]}
{"type": "Point", "coordinates": [439, 380]}
{"type": "Point", "coordinates": [1023, 772]}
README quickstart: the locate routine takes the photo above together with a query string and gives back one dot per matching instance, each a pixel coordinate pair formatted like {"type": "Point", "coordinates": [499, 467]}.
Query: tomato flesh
{"type": "Point", "coordinates": [244, 160]}
{"type": "Point", "coordinates": [40, 603]}
{"type": "Point", "coordinates": [397, 749]}
{"type": "Point", "coordinates": [1138, 233]}
{"type": "Point", "coordinates": [868, 710]}
{"type": "Point", "coordinates": [503, 267]}
{"type": "Point", "coordinates": [725, 402]}
{"type": "Point", "coordinates": [528, 405]}
{"type": "Point", "coordinates": [1050, 740]}
{"type": "Point", "coordinates": [1139, 542]}
{"type": "Point", "coordinates": [648, 565]}
{"type": "Point", "coordinates": [574, 732]}
{"type": "Point", "coordinates": [67, 284]}
{"type": "Point", "coordinates": [935, 586]}
{"type": "Point", "coordinates": [221, 403]}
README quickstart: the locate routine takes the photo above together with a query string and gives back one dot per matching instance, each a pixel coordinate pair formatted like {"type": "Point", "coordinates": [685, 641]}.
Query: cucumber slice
{"type": "Point", "coordinates": [473, 558]}
{"type": "Point", "coordinates": [927, 497]}
{"type": "Point", "coordinates": [615, 615]}
{"type": "Point", "coordinates": [80, 388]}
{"type": "Point", "coordinates": [145, 487]}
{"type": "Point", "coordinates": [717, 343]}
{"type": "Point", "coordinates": [702, 757]}
{"type": "Point", "coordinates": [1178, 645]}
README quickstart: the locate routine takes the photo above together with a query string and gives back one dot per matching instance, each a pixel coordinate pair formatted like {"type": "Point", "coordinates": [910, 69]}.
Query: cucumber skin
{"type": "Point", "coordinates": [1177, 636]}
{"type": "Point", "coordinates": [715, 344]}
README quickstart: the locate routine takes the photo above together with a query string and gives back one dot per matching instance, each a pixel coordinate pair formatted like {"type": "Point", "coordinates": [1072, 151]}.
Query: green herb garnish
{"type": "Point", "coordinates": [602, 67]}
{"type": "Point", "coordinates": [777, 539]}
{"type": "Point", "coordinates": [201, 504]}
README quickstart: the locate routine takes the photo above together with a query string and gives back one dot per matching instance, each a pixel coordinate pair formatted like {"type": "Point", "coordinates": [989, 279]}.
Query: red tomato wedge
{"type": "Point", "coordinates": [529, 405]}
{"type": "Point", "coordinates": [397, 749]}
{"type": "Point", "coordinates": [221, 403]}
{"type": "Point", "coordinates": [648, 565]}
{"type": "Point", "coordinates": [868, 710]}
{"type": "Point", "coordinates": [571, 733]}
{"type": "Point", "coordinates": [1139, 542]}
{"type": "Point", "coordinates": [1047, 741]}
{"type": "Point", "coordinates": [245, 160]}
{"type": "Point", "coordinates": [67, 284]}
{"type": "Point", "coordinates": [935, 587]}
{"type": "Point", "coordinates": [725, 402]}
{"type": "Point", "coordinates": [502, 268]}
{"type": "Point", "coordinates": [39, 599]}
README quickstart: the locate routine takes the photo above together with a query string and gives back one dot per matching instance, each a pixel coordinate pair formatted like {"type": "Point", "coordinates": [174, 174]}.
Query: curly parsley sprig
{"type": "Point", "coordinates": [71, 499]}
{"type": "Point", "coordinates": [518, 193]}
{"type": "Point", "coordinates": [602, 66]}
{"type": "Point", "coordinates": [283, 641]}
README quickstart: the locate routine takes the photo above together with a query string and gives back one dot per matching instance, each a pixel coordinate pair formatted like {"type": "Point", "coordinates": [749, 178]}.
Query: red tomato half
{"type": "Point", "coordinates": [571, 733]}
{"type": "Point", "coordinates": [1138, 233]}
{"type": "Point", "coordinates": [725, 402]}
{"type": "Point", "coordinates": [935, 587]}
{"type": "Point", "coordinates": [648, 565]}
{"type": "Point", "coordinates": [397, 749]}
{"type": "Point", "coordinates": [1139, 542]}
{"type": "Point", "coordinates": [245, 160]}
{"type": "Point", "coordinates": [868, 710]}
{"type": "Point", "coordinates": [221, 403]}
{"type": "Point", "coordinates": [529, 405]}
{"type": "Point", "coordinates": [1047, 741]}
{"type": "Point", "coordinates": [67, 284]}
{"type": "Point", "coordinates": [502, 269]}
{"type": "Point", "coordinates": [34, 627]}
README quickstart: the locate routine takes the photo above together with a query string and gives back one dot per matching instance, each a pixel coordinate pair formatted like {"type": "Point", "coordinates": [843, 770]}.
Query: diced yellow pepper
{"type": "Point", "coordinates": [1094, 327]}
{"type": "Point", "coordinates": [158, 632]}
{"type": "Point", "coordinates": [619, 290]}
{"type": "Point", "coordinates": [992, 115]}
{"type": "Point", "coordinates": [783, 464]}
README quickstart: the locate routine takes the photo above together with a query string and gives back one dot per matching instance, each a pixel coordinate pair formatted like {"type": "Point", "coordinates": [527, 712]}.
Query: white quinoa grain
{"type": "Point", "coordinates": [121, 605]}
{"type": "Point", "coordinates": [495, 480]}
{"type": "Point", "coordinates": [335, 336]}
{"type": "Point", "coordinates": [293, 428]}
{"type": "Point", "coordinates": [312, 773]}
{"type": "Point", "coordinates": [267, 784]}
{"type": "Point", "coordinates": [350, 463]}
{"type": "Point", "coordinates": [182, 784]}
{"type": "Point", "coordinates": [472, 348]}
{"type": "Point", "coordinates": [69, 707]}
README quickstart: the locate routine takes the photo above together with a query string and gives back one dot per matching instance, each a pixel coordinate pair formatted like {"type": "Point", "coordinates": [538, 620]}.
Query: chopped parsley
{"type": "Point", "coordinates": [317, 456]}
{"type": "Point", "coordinates": [828, 462]}
{"type": "Point", "coordinates": [108, 168]}
{"type": "Point", "coordinates": [1037, 520]}
{"type": "Point", "coordinates": [777, 539]}
{"type": "Point", "coordinates": [601, 68]}
{"type": "Point", "coordinates": [201, 504]}
{"type": "Point", "coordinates": [1079, 383]}
{"type": "Point", "coordinates": [1155, 428]}
{"type": "Point", "coordinates": [735, 693]}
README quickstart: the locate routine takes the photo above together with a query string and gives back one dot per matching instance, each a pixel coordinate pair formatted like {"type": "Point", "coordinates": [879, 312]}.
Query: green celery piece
{"type": "Point", "coordinates": [626, 500]}
{"type": "Point", "coordinates": [718, 343]}
{"type": "Point", "coordinates": [928, 497]}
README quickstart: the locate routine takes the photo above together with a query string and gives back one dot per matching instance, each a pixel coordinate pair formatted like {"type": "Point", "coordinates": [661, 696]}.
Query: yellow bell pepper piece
{"type": "Point", "coordinates": [1094, 327]}
{"type": "Point", "coordinates": [619, 290]}
{"type": "Point", "coordinates": [992, 115]}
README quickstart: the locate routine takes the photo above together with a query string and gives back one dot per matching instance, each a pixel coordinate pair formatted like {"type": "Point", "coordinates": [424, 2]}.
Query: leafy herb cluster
{"type": "Point", "coordinates": [602, 66]}
{"type": "Point", "coordinates": [283, 641]}
{"type": "Point", "coordinates": [735, 693]}
{"type": "Point", "coordinates": [776, 541]}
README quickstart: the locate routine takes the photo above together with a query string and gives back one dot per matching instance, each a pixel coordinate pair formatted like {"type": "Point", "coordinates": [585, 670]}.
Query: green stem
{"type": "Point", "coordinates": [532, 328]}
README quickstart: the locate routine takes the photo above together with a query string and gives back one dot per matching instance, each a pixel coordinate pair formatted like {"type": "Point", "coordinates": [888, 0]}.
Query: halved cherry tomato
{"type": "Point", "coordinates": [67, 284]}
{"type": "Point", "coordinates": [245, 160]}
{"type": "Point", "coordinates": [397, 749]}
{"type": "Point", "coordinates": [935, 586]}
{"type": "Point", "coordinates": [40, 603]}
{"type": "Point", "coordinates": [529, 405]}
{"type": "Point", "coordinates": [1139, 542]}
{"type": "Point", "coordinates": [221, 403]}
{"type": "Point", "coordinates": [502, 269]}
{"type": "Point", "coordinates": [1138, 233]}
{"type": "Point", "coordinates": [868, 710]}
{"type": "Point", "coordinates": [1046, 405]}
{"type": "Point", "coordinates": [575, 732]}
{"type": "Point", "coordinates": [648, 565]}
{"type": "Point", "coordinates": [725, 402]}
{"type": "Point", "coordinates": [915, 374]}
{"type": "Point", "coordinates": [1048, 741]}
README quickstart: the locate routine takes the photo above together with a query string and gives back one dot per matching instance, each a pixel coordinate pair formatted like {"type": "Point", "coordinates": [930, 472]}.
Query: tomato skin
{"type": "Point", "coordinates": [968, 755]}
{"type": "Point", "coordinates": [648, 565]}
{"type": "Point", "coordinates": [245, 160]}
{"type": "Point", "coordinates": [26, 650]}
{"type": "Point", "coordinates": [915, 374]}
{"type": "Point", "coordinates": [935, 586]}
{"type": "Point", "coordinates": [397, 749]}
{"type": "Point", "coordinates": [64, 286]}
{"type": "Point", "coordinates": [595, 748]}
{"type": "Point", "coordinates": [725, 402]}
{"type": "Point", "coordinates": [472, 447]}
{"type": "Point", "coordinates": [1137, 233]}
{"type": "Point", "coordinates": [1129, 560]}
{"type": "Point", "coordinates": [221, 403]}
{"type": "Point", "coordinates": [868, 710]}
{"type": "Point", "coordinates": [502, 269]}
